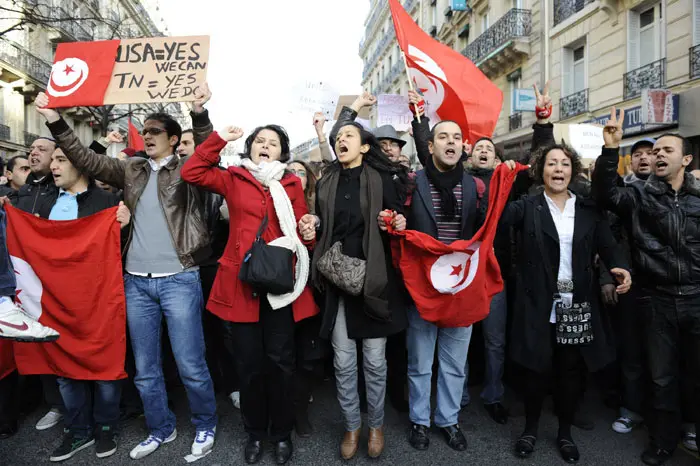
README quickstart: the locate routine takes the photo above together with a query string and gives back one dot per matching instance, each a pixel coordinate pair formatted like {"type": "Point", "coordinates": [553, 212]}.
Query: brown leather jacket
{"type": "Point", "coordinates": [182, 203]}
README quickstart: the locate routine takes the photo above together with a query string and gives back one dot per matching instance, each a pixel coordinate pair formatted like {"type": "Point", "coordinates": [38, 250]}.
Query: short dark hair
{"type": "Point", "coordinates": [172, 127]}
{"type": "Point", "coordinates": [188, 131]}
{"type": "Point", "coordinates": [281, 133]}
{"type": "Point", "coordinates": [432, 131]}
{"type": "Point", "coordinates": [685, 142]}
{"type": "Point", "coordinates": [539, 158]}
{"type": "Point", "coordinates": [13, 161]}
{"type": "Point", "coordinates": [496, 149]}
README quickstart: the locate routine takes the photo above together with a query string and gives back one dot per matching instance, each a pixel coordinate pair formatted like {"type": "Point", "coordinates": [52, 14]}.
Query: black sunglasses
{"type": "Point", "coordinates": [152, 131]}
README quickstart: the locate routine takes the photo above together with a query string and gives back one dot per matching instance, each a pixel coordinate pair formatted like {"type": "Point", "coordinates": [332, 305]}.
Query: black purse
{"type": "Point", "coordinates": [268, 269]}
{"type": "Point", "coordinates": [574, 326]}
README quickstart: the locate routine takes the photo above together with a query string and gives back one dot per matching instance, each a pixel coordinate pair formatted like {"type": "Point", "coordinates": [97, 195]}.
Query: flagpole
{"type": "Point", "coordinates": [410, 83]}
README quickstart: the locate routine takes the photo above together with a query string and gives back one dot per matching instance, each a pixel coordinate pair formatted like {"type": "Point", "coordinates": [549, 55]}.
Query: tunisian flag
{"type": "Point", "coordinates": [452, 285]}
{"type": "Point", "coordinates": [453, 87]}
{"type": "Point", "coordinates": [135, 140]}
{"type": "Point", "coordinates": [81, 73]}
{"type": "Point", "coordinates": [69, 277]}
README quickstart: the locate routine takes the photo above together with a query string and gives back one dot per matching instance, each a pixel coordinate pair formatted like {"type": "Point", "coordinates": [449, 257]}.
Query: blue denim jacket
{"type": "Point", "coordinates": [8, 283]}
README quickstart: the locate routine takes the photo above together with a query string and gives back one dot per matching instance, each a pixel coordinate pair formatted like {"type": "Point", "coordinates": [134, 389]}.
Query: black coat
{"type": "Point", "coordinates": [349, 228]}
{"type": "Point", "coordinates": [89, 202]}
{"type": "Point", "coordinates": [35, 193]}
{"type": "Point", "coordinates": [531, 342]}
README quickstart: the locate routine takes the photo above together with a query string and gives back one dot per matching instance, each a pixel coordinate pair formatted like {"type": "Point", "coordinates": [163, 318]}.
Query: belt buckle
{"type": "Point", "coordinates": [565, 286]}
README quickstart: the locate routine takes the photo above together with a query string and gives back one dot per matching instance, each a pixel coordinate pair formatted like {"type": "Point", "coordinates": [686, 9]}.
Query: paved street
{"type": "Point", "coordinates": [489, 443]}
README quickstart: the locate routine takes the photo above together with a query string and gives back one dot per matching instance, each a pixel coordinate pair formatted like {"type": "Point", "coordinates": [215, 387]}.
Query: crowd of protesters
{"type": "Point", "coordinates": [251, 278]}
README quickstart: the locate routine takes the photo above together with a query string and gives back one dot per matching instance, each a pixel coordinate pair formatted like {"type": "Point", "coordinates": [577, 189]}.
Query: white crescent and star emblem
{"type": "Point", "coordinates": [29, 287]}
{"type": "Point", "coordinates": [431, 88]}
{"type": "Point", "coordinates": [454, 272]}
{"type": "Point", "coordinates": [67, 76]}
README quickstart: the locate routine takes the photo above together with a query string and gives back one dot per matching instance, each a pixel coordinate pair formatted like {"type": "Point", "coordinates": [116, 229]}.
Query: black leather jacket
{"type": "Point", "coordinates": [664, 226]}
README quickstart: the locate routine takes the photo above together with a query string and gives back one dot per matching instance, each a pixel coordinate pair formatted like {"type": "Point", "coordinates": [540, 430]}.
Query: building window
{"type": "Point", "coordinates": [696, 22]}
{"type": "Point", "coordinates": [434, 14]}
{"type": "Point", "coordinates": [484, 22]}
{"type": "Point", "coordinates": [645, 37]}
{"type": "Point", "coordinates": [514, 84]}
{"type": "Point", "coordinates": [573, 69]}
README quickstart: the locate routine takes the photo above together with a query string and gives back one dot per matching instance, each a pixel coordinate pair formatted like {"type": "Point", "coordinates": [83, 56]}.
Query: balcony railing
{"type": "Point", "coordinates": [695, 62]}
{"type": "Point", "coordinates": [513, 25]}
{"type": "Point", "coordinates": [29, 138]}
{"type": "Point", "coordinates": [5, 133]}
{"type": "Point", "coordinates": [17, 56]}
{"type": "Point", "coordinates": [564, 9]}
{"type": "Point", "coordinates": [62, 20]}
{"type": "Point", "coordinates": [574, 104]}
{"type": "Point", "coordinates": [651, 76]}
{"type": "Point", "coordinates": [371, 63]}
{"type": "Point", "coordinates": [515, 121]}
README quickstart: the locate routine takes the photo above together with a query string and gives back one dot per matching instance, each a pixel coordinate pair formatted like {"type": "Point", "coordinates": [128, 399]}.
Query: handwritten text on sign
{"type": "Point", "coordinates": [158, 69]}
{"type": "Point", "coordinates": [394, 110]}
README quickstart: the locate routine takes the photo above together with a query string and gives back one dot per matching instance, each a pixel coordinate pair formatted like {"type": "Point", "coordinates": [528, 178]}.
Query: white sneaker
{"type": "Point", "coordinates": [625, 425]}
{"type": "Point", "coordinates": [203, 441]}
{"type": "Point", "coordinates": [236, 399]}
{"type": "Point", "coordinates": [150, 445]}
{"type": "Point", "coordinates": [49, 420]}
{"type": "Point", "coordinates": [16, 325]}
{"type": "Point", "coordinates": [690, 440]}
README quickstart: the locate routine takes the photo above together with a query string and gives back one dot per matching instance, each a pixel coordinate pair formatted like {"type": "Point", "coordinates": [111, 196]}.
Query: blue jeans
{"type": "Point", "coordinates": [452, 344]}
{"type": "Point", "coordinates": [178, 298]}
{"type": "Point", "coordinates": [8, 282]}
{"type": "Point", "coordinates": [83, 413]}
{"type": "Point", "coordinates": [494, 328]}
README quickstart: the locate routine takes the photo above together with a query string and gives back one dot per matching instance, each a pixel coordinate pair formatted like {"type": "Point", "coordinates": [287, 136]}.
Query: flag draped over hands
{"type": "Point", "coordinates": [69, 278]}
{"type": "Point", "coordinates": [452, 285]}
{"type": "Point", "coordinates": [454, 88]}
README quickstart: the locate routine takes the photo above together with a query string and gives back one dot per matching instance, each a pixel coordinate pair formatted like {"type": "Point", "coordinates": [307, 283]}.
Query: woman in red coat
{"type": "Point", "coordinates": [261, 327]}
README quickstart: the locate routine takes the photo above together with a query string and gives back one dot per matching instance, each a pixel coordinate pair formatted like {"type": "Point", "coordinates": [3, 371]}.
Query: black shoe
{"type": "Point", "coordinates": [497, 412]}
{"type": "Point", "coordinates": [283, 451]}
{"type": "Point", "coordinates": [70, 446]}
{"type": "Point", "coordinates": [568, 450]}
{"type": "Point", "coordinates": [583, 422]}
{"type": "Point", "coordinates": [454, 437]}
{"type": "Point", "coordinates": [106, 442]}
{"type": "Point", "coordinates": [8, 430]}
{"type": "Point", "coordinates": [130, 413]}
{"type": "Point", "coordinates": [253, 451]}
{"type": "Point", "coordinates": [525, 445]}
{"type": "Point", "coordinates": [302, 425]}
{"type": "Point", "coordinates": [654, 456]}
{"type": "Point", "coordinates": [419, 437]}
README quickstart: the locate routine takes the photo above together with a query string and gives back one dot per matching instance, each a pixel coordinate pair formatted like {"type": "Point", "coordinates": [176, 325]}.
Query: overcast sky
{"type": "Point", "coordinates": [261, 49]}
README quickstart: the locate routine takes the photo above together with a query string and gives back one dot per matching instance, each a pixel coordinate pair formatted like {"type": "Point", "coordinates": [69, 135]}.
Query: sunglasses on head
{"type": "Point", "coordinates": [152, 131]}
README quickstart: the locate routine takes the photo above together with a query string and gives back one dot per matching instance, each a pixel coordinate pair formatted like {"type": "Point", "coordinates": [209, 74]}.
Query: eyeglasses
{"type": "Point", "coordinates": [299, 173]}
{"type": "Point", "coordinates": [389, 145]}
{"type": "Point", "coordinates": [152, 131]}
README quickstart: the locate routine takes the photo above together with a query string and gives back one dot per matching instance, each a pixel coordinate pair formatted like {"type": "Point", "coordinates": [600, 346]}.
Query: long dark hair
{"type": "Point", "coordinates": [310, 191]}
{"type": "Point", "coordinates": [281, 133]}
{"type": "Point", "coordinates": [376, 159]}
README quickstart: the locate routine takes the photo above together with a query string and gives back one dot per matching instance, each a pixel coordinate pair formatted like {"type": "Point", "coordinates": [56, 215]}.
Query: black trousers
{"type": "Point", "coordinates": [9, 411]}
{"type": "Point", "coordinates": [220, 362]}
{"type": "Point", "coordinates": [265, 358]}
{"type": "Point", "coordinates": [52, 395]}
{"type": "Point", "coordinates": [566, 379]}
{"type": "Point", "coordinates": [673, 340]}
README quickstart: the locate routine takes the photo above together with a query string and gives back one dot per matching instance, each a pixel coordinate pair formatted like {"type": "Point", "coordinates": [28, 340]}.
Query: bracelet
{"type": "Point", "coordinates": [543, 112]}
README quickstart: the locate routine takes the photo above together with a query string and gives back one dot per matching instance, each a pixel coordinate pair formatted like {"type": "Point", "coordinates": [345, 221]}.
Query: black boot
{"type": "Point", "coordinates": [302, 424]}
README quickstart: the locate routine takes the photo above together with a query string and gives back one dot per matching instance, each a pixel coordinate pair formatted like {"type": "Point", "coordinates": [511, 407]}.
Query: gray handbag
{"type": "Point", "coordinates": [345, 272]}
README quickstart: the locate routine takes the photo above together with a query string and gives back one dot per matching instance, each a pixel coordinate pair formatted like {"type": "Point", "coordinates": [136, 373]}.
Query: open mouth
{"type": "Point", "coordinates": [150, 145]}
{"type": "Point", "coordinates": [264, 156]}
{"type": "Point", "coordinates": [342, 148]}
{"type": "Point", "coordinates": [644, 165]}
{"type": "Point", "coordinates": [450, 152]}
{"type": "Point", "coordinates": [558, 179]}
{"type": "Point", "coordinates": [483, 159]}
{"type": "Point", "coordinates": [661, 164]}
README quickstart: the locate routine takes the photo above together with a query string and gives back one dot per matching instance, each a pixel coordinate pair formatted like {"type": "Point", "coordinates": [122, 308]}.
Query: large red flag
{"type": "Point", "coordinates": [454, 88]}
{"type": "Point", "coordinates": [452, 285]}
{"type": "Point", "coordinates": [81, 73]}
{"type": "Point", "coordinates": [135, 140]}
{"type": "Point", "coordinates": [69, 277]}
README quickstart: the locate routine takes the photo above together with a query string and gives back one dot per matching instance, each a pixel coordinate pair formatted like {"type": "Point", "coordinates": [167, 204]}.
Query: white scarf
{"type": "Point", "coordinates": [269, 175]}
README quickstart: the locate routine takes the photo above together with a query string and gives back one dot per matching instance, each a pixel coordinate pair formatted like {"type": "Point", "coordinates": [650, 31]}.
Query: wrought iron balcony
{"type": "Point", "coordinates": [574, 104]}
{"type": "Point", "coordinates": [515, 121]}
{"type": "Point", "coordinates": [29, 138]}
{"type": "Point", "coordinates": [372, 62]}
{"type": "Point", "coordinates": [63, 21]}
{"type": "Point", "coordinates": [19, 58]}
{"type": "Point", "coordinates": [695, 62]}
{"type": "Point", "coordinates": [515, 24]}
{"type": "Point", "coordinates": [5, 133]}
{"type": "Point", "coordinates": [564, 9]}
{"type": "Point", "coordinates": [651, 76]}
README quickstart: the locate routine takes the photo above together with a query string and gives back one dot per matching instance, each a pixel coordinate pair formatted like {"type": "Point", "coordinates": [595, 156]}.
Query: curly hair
{"type": "Point", "coordinates": [281, 133]}
{"type": "Point", "coordinates": [539, 157]}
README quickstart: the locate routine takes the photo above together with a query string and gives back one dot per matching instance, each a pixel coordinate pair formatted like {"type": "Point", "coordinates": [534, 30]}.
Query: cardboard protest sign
{"type": "Point", "coordinates": [130, 71]}
{"type": "Point", "coordinates": [393, 110]}
{"type": "Point", "coordinates": [316, 96]}
{"type": "Point", "coordinates": [346, 101]}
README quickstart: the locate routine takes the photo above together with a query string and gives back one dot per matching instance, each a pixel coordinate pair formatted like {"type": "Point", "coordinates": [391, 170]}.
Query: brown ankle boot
{"type": "Point", "coordinates": [351, 442]}
{"type": "Point", "coordinates": [375, 444]}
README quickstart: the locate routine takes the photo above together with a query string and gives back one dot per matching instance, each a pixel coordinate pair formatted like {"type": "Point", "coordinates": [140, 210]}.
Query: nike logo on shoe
{"type": "Point", "coordinates": [22, 327]}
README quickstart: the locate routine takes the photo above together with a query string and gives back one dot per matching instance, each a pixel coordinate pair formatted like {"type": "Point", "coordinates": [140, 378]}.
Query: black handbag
{"type": "Point", "coordinates": [574, 325]}
{"type": "Point", "coordinates": [268, 269]}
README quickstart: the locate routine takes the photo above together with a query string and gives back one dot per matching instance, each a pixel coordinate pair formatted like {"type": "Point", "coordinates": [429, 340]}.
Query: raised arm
{"type": "Point", "coordinates": [543, 130]}
{"type": "Point", "coordinates": [606, 188]}
{"type": "Point", "coordinates": [99, 166]}
{"type": "Point", "coordinates": [201, 125]}
{"type": "Point", "coordinates": [202, 169]}
{"type": "Point", "coordinates": [348, 114]}
{"type": "Point", "coordinates": [421, 130]}
{"type": "Point", "coordinates": [323, 146]}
